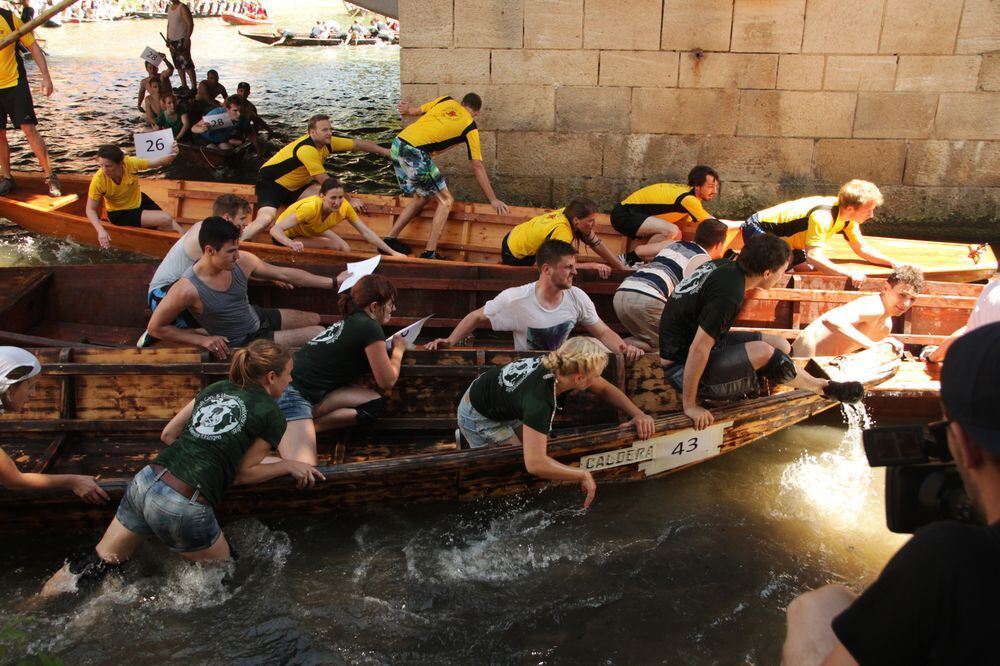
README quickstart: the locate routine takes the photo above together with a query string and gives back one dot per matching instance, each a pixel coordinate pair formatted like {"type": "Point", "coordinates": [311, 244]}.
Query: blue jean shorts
{"type": "Point", "coordinates": [294, 405]}
{"type": "Point", "coordinates": [152, 508]}
{"type": "Point", "coordinates": [415, 170]}
{"type": "Point", "coordinates": [481, 431]}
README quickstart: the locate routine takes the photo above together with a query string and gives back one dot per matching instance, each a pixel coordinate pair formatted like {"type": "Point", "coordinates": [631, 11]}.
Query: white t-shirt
{"type": "Point", "coordinates": [536, 328]}
{"type": "Point", "coordinates": [987, 309]}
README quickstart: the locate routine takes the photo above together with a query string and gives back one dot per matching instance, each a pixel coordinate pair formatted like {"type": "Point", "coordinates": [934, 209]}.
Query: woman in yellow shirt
{"type": "Point", "coordinates": [116, 183]}
{"type": "Point", "coordinates": [309, 222]}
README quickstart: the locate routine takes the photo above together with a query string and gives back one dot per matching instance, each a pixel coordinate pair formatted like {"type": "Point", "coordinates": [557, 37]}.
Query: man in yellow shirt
{"type": "Point", "coordinates": [297, 170]}
{"type": "Point", "coordinates": [572, 224]}
{"type": "Point", "coordinates": [806, 224]}
{"type": "Point", "coordinates": [16, 102]}
{"type": "Point", "coordinates": [116, 183]}
{"type": "Point", "coordinates": [309, 222]}
{"type": "Point", "coordinates": [443, 123]}
{"type": "Point", "coordinates": [654, 212]}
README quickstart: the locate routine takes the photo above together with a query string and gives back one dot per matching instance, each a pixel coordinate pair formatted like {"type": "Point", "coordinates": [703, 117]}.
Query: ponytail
{"type": "Point", "coordinates": [369, 289]}
{"type": "Point", "coordinates": [252, 363]}
{"type": "Point", "coordinates": [577, 356]}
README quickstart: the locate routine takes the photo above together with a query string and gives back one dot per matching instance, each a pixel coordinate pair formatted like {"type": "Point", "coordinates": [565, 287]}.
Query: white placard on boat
{"type": "Point", "coordinates": [409, 334]}
{"type": "Point", "coordinates": [217, 121]}
{"type": "Point", "coordinates": [152, 56]}
{"type": "Point", "coordinates": [358, 270]}
{"type": "Point", "coordinates": [675, 449]}
{"type": "Point", "coordinates": [153, 145]}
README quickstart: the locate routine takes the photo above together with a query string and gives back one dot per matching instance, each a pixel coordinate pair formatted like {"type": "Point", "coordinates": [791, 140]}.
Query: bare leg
{"type": "Point", "coordinates": [217, 552]}
{"type": "Point", "coordinates": [411, 210]}
{"type": "Point", "coordinates": [160, 219]}
{"type": "Point", "coordinates": [658, 234]}
{"type": "Point", "coordinates": [296, 337]}
{"type": "Point", "coordinates": [263, 221]}
{"type": "Point", "coordinates": [37, 144]}
{"type": "Point", "coordinates": [760, 354]}
{"type": "Point", "coordinates": [299, 441]}
{"type": "Point", "coordinates": [331, 242]}
{"type": "Point", "coordinates": [445, 202]}
{"type": "Point", "coordinates": [336, 410]}
{"type": "Point", "coordinates": [810, 637]}
{"type": "Point", "coordinates": [116, 546]}
{"type": "Point", "coordinates": [297, 319]}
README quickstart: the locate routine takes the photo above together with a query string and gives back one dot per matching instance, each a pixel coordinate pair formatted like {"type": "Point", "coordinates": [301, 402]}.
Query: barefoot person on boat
{"type": "Point", "coordinates": [807, 224]}
{"type": "Point", "coordinates": [324, 394]}
{"type": "Point", "coordinates": [442, 123]}
{"type": "Point", "coordinates": [296, 171]}
{"type": "Point", "coordinates": [219, 439]}
{"type": "Point", "coordinates": [214, 291]}
{"type": "Point", "coordinates": [310, 222]}
{"type": "Point", "coordinates": [116, 183]}
{"type": "Point", "coordinates": [515, 404]}
{"type": "Point", "coordinates": [542, 314]}
{"type": "Point", "coordinates": [704, 359]}
{"type": "Point", "coordinates": [574, 224]}
{"type": "Point", "coordinates": [19, 371]}
{"type": "Point", "coordinates": [864, 322]}
{"type": "Point", "coordinates": [653, 213]}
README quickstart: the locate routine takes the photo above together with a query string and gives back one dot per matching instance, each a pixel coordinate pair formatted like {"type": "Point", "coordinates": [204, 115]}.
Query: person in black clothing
{"type": "Point", "coordinates": [703, 359]}
{"type": "Point", "coordinates": [936, 601]}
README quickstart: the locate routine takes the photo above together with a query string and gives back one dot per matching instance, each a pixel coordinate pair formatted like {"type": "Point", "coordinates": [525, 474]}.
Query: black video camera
{"type": "Point", "coordinates": [922, 483]}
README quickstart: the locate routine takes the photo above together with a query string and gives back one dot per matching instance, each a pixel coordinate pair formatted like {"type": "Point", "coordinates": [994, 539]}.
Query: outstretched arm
{"type": "Point", "coordinates": [296, 276]}
{"type": "Point", "coordinates": [611, 394]}
{"type": "Point", "coordinates": [694, 368]}
{"type": "Point", "coordinates": [84, 487]}
{"type": "Point", "coordinates": [253, 469]}
{"type": "Point", "coordinates": [612, 340]}
{"type": "Point", "coordinates": [370, 147]}
{"type": "Point", "coordinates": [472, 321]}
{"type": "Point", "coordinates": [373, 238]}
{"type": "Point", "coordinates": [479, 171]}
{"type": "Point", "coordinates": [539, 463]}
{"type": "Point", "coordinates": [43, 68]}
{"type": "Point", "coordinates": [816, 257]}
{"type": "Point", "coordinates": [94, 216]}
{"type": "Point", "coordinates": [870, 254]}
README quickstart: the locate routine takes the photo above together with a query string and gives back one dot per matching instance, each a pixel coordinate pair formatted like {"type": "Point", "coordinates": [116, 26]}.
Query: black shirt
{"type": "Point", "coordinates": [709, 298]}
{"type": "Point", "coordinates": [936, 602]}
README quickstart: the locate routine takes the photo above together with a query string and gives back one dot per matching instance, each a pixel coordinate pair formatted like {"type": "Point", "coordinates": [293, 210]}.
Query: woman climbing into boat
{"type": "Point", "coordinates": [19, 371]}
{"type": "Point", "coordinates": [516, 404]}
{"type": "Point", "coordinates": [322, 395]}
{"type": "Point", "coordinates": [117, 184]}
{"type": "Point", "coordinates": [220, 438]}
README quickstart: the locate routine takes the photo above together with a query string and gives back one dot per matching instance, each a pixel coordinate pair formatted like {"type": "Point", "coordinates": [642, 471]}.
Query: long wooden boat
{"type": "Point", "coordinates": [271, 38]}
{"type": "Point", "coordinates": [235, 18]}
{"type": "Point", "coordinates": [210, 157]}
{"type": "Point", "coordinates": [99, 412]}
{"type": "Point", "coordinates": [473, 234]}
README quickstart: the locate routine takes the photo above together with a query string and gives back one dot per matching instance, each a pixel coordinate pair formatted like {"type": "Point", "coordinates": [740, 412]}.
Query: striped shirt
{"type": "Point", "coordinates": [659, 277]}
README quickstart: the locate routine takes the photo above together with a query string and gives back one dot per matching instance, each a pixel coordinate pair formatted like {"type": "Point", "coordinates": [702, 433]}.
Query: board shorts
{"type": "Point", "coordinates": [415, 170]}
{"type": "Point", "coordinates": [294, 405]}
{"type": "Point", "coordinates": [507, 257]}
{"type": "Point", "coordinates": [181, 53]}
{"type": "Point", "coordinates": [270, 321]}
{"type": "Point", "coordinates": [184, 320]}
{"type": "Point", "coordinates": [132, 217]}
{"type": "Point", "coordinates": [752, 228]}
{"type": "Point", "coordinates": [729, 374]}
{"type": "Point", "coordinates": [626, 220]}
{"type": "Point", "coordinates": [152, 508]}
{"type": "Point", "coordinates": [272, 195]}
{"type": "Point", "coordinates": [481, 431]}
{"type": "Point", "coordinates": [16, 104]}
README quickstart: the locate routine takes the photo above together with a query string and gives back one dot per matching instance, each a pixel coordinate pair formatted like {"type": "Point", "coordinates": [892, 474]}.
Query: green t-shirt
{"type": "Point", "coordinates": [225, 421]}
{"type": "Point", "coordinates": [335, 357]}
{"type": "Point", "coordinates": [523, 390]}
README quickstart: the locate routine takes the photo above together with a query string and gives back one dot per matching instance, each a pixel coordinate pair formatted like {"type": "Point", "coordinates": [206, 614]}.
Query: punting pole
{"type": "Point", "coordinates": [35, 22]}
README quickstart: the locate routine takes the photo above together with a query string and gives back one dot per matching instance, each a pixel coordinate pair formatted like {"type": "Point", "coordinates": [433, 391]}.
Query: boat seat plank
{"type": "Point", "coordinates": [47, 204]}
{"type": "Point", "coordinates": [206, 195]}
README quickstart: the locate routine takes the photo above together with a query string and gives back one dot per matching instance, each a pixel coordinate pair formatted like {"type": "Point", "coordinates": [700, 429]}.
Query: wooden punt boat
{"type": "Point", "coordinates": [234, 18]}
{"type": "Point", "coordinates": [100, 412]}
{"type": "Point", "coordinates": [210, 157]}
{"type": "Point", "coordinates": [270, 38]}
{"type": "Point", "coordinates": [473, 235]}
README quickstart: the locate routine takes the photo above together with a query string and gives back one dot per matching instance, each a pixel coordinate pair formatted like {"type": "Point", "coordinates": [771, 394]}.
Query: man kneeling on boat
{"type": "Point", "coordinates": [324, 394]}
{"type": "Point", "coordinates": [574, 224]}
{"type": "Point", "coordinates": [224, 136]}
{"type": "Point", "coordinates": [309, 222]}
{"type": "Point", "coordinates": [19, 370]}
{"type": "Point", "coordinates": [117, 184]}
{"type": "Point", "coordinates": [220, 438]}
{"type": "Point", "coordinates": [700, 355]}
{"type": "Point", "coordinates": [515, 404]}
{"type": "Point", "coordinates": [214, 291]}
{"type": "Point", "coordinates": [864, 322]}
{"type": "Point", "coordinates": [542, 314]}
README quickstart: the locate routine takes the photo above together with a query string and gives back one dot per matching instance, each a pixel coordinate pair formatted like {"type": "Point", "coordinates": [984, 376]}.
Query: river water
{"type": "Point", "coordinates": [695, 568]}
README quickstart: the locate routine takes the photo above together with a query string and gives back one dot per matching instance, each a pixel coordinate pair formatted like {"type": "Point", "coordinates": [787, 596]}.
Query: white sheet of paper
{"type": "Point", "coordinates": [358, 270]}
{"type": "Point", "coordinates": [217, 121]}
{"type": "Point", "coordinates": [152, 56]}
{"type": "Point", "coordinates": [151, 145]}
{"type": "Point", "coordinates": [409, 333]}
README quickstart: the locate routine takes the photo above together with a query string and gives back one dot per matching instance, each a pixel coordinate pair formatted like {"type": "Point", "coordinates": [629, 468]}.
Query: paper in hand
{"type": "Point", "coordinates": [152, 145]}
{"type": "Point", "coordinates": [409, 334]}
{"type": "Point", "coordinates": [358, 270]}
{"type": "Point", "coordinates": [152, 56]}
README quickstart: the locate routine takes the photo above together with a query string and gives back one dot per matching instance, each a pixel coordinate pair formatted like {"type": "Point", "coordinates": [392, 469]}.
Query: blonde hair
{"type": "Point", "coordinates": [251, 364]}
{"type": "Point", "coordinates": [577, 356]}
{"type": "Point", "coordinates": [859, 193]}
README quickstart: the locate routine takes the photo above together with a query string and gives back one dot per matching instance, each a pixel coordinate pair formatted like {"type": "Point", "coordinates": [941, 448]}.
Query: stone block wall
{"type": "Point", "coordinates": [782, 97]}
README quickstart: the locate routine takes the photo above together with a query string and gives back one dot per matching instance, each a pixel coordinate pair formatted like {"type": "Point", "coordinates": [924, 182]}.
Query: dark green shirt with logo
{"type": "Point", "coordinates": [335, 357]}
{"type": "Point", "coordinates": [523, 390]}
{"type": "Point", "coordinates": [225, 422]}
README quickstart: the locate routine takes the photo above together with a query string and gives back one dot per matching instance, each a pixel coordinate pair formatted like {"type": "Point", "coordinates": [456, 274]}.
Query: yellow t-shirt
{"type": "Point", "coordinates": [525, 239]}
{"type": "Point", "coordinates": [671, 202]}
{"type": "Point", "coordinates": [445, 123]}
{"type": "Point", "coordinates": [11, 67]}
{"type": "Point", "coordinates": [808, 222]}
{"type": "Point", "coordinates": [309, 213]}
{"type": "Point", "coordinates": [119, 196]}
{"type": "Point", "coordinates": [294, 166]}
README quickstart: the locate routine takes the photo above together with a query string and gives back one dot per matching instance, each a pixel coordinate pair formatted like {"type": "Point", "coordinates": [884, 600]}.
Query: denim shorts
{"type": "Point", "coordinates": [481, 431]}
{"type": "Point", "coordinates": [152, 508]}
{"type": "Point", "coordinates": [729, 374]}
{"type": "Point", "coordinates": [294, 405]}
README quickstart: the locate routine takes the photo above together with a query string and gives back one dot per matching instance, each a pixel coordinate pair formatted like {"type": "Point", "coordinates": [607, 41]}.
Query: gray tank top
{"type": "Point", "coordinates": [172, 268]}
{"type": "Point", "coordinates": [226, 313]}
{"type": "Point", "coordinates": [176, 28]}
